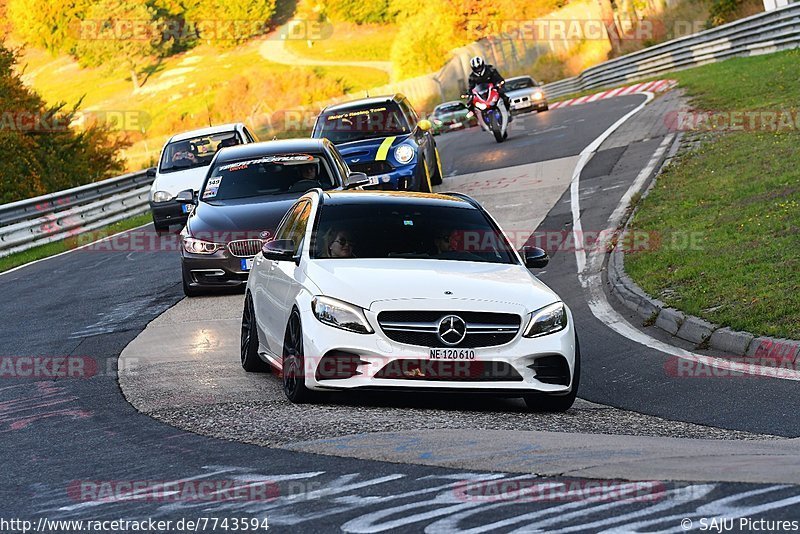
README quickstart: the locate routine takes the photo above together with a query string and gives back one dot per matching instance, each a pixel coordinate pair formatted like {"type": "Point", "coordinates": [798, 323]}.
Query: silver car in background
{"type": "Point", "coordinates": [525, 94]}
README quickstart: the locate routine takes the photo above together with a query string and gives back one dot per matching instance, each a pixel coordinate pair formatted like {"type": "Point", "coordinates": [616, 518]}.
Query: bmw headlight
{"type": "Point", "coordinates": [338, 314]}
{"type": "Point", "coordinates": [403, 154]}
{"type": "Point", "coordinates": [538, 95]}
{"type": "Point", "coordinates": [547, 320]}
{"type": "Point", "coordinates": [161, 196]}
{"type": "Point", "coordinates": [480, 105]}
{"type": "Point", "coordinates": [198, 246]}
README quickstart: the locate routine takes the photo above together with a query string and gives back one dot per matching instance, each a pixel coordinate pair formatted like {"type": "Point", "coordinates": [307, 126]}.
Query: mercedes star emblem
{"type": "Point", "coordinates": [452, 330]}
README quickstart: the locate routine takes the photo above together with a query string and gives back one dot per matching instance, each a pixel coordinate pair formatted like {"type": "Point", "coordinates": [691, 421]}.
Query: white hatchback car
{"type": "Point", "coordinates": [395, 290]}
{"type": "Point", "coordinates": [183, 165]}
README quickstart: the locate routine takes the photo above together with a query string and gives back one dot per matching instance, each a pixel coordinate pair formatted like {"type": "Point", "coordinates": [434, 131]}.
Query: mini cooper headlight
{"type": "Point", "coordinates": [403, 154]}
{"type": "Point", "coordinates": [198, 246]}
{"type": "Point", "coordinates": [161, 196]}
{"type": "Point", "coordinates": [547, 320]}
{"type": "Point", "coordinates": [338, 314]}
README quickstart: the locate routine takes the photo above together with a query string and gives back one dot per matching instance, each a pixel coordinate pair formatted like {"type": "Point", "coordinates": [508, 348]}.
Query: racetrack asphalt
{"type": "Point", "coordinates": [92, 304]}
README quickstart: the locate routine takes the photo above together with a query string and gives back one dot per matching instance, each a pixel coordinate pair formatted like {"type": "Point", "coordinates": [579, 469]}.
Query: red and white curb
{"type": "Point", "coordinates": [656, 86]}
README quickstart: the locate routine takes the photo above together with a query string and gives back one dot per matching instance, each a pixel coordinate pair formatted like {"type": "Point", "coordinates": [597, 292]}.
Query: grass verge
{"type": "Point", "coordinates": [51, 249]}
{"type": "Point", "coordinates": [726, 214]}
{"type": "Point", "coordinates": [349, 42]}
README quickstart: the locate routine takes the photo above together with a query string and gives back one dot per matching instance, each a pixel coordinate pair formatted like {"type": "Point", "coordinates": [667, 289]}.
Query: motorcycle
{"type": "Point", "coordinates": [491, 109]}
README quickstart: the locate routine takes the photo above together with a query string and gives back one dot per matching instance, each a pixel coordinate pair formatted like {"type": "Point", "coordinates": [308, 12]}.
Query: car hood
{"type": "Point", "coordinates": [366, 149]}
{"type": "Point", "coordinates": [175, 182]}
{"type": "Point", "coordinates": [239, 218]}
{"type": "Point", "coordinates": [371, 283]}
{"type": "Point", "coordinates": [523, 92]}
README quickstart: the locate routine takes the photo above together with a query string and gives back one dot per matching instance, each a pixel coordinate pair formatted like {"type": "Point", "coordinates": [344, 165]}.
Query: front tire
{"type": "Point", "coordinates": [294, 378]}
{"type": "Point", "coordinates": [161, 228]}
{"type": "Point", "coordinates": [542, 402]}
{"type": "Point", "coordinates": [188, 290]}
{"type": "Point", "coordinates": [437, 174]}
{"type": "Point", "coordinates": [249, 340]}
{"type": "Point", "coordinates": [495, 128]}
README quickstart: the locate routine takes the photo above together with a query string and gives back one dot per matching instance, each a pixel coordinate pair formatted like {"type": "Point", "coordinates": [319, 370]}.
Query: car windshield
{"type": "Point", "coordinates": [195, 151]}
{"type": "Point", "coordinates": [267, 175]}
{"type": "Point", "coordinates": [408, 230]}
{"type": "Point", "coordinates": [449, 108]}
{"type": "Point", "coordinates": [523, 83]}
{"type": "Point", "coordinates": [361, 123]}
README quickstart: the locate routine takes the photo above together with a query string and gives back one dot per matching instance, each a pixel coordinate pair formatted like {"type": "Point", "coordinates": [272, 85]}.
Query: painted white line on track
{"type": "Point", "coordinates": [591, 278]}
{"type": "Point", "coordinates": [72, 249]}
{"type": "Point", "coordinates": [584, 157]}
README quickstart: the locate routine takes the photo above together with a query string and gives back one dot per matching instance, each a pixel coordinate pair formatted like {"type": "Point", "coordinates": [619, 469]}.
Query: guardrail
{"type": "Point", "coordinates": [772, 31]}
{"type": "Point", "coordinates": [37, 221]}
{"type": "Point", "coordinates": [29, 223]}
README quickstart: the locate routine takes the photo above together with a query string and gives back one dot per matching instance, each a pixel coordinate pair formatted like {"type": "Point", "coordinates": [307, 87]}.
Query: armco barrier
{"type": "Point", "coordinates": [760, 34]}
{"type": "Point", "coordinates": [37, 221]}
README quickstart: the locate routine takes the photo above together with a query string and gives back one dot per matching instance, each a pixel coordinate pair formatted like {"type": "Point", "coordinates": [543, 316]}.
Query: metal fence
{"type": "Point", "coordinates": [760, 34]}
{"type": "Point", "coordinates": [53, 217]}
{"type": "Point", "coordinates": [41, 220]}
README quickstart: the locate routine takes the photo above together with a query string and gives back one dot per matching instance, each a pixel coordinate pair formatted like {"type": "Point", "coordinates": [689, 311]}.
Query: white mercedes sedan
{"type": "Point", "coordinates": [393, 290]}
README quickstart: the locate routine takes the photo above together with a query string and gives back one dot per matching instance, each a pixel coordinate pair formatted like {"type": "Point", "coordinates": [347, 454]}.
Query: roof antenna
{"type": "Point", "coordinates": [208, 113]}
{"type": "Point", "coordinates": [366, 92]}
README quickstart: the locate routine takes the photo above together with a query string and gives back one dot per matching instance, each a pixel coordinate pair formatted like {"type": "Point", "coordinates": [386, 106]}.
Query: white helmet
{"type": "Point", "coordinates": [477, 65]}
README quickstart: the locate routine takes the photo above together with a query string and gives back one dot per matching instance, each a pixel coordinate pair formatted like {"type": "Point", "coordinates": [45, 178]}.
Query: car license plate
{"type": "Point", "coordinates": [187, 208]}
{"type": "Point", "coordinates": [374, 180]}
{"type": "Point", "coordinates": [452, 354]}
{"type": "Point", "coordinates": [456, 125]}
{"type": "Point", "coordinates": [247, 264]}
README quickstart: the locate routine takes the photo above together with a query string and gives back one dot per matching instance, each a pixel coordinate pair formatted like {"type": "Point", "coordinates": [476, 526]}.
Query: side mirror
{"type": "Point", "coordinates": [535, 258]}
{"type": "Point", "coordinates": [151, 172]}
{"type": "Point", "coordinates": [424, 125]}
{"type": "Point", "coordinates": [186, 197]}
{"type": "Point", "coordinates": [356, 179]}
{"type": "Point", "coordinates": [279, 250]}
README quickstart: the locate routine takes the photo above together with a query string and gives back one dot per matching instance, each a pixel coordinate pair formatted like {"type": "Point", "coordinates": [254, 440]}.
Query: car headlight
{"type": "Point", "coordinates": [403, 154]}
{"type": "Point", "coordinates": [161, 196]}
{"type": "Point", "coordinates": [538, 95]}
{"type": "Point", "coordinates": [437, 122]}
{"type": "Point", "coordinates": [338, 314]}
{"type": "Point", "coordinates": [480, 105]}
{"type": "Point", "coordinates": [547, 320]}
{"type": "Point", "coordinates": [198, 246]}
{"type": "Point", "coordinates": [469, 114]}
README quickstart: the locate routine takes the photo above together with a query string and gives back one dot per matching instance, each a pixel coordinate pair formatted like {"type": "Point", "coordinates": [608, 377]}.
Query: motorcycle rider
{"type": "Point", "coordinates": [483, 73]}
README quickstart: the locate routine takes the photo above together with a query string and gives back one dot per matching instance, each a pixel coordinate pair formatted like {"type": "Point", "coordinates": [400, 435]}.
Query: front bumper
{"type": "Point", "coordinates": [170, 212]}
{"type": "Point", "coordinates": [401, 178]}
{"type": "Point", "coordinates": [525, 103]}
{"type": "Point", "coordinates": [219, 270]}
{"type": "Point", "coordinates": [512, 369]}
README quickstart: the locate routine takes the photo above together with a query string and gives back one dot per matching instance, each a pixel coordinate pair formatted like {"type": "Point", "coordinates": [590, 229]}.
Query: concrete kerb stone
{"type": "Point", "coordinates": [696, 330]}
{"type": "Point", "coordinates": [670, 320]}
{"type": "Point", "coordinates": [675, 322]}
{"type": "Point", "coordinates": [731, 341]}
{"type": "Point", "coordinates": [774, 348]}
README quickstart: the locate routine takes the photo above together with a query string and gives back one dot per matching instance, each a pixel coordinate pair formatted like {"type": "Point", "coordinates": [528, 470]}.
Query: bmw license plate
{"type": "Point", "coordinates": [247, 264]}
{"type": "Point", "coordinates": [452, 354]}
{"type": "Point", "coordinates": [187, 208]}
